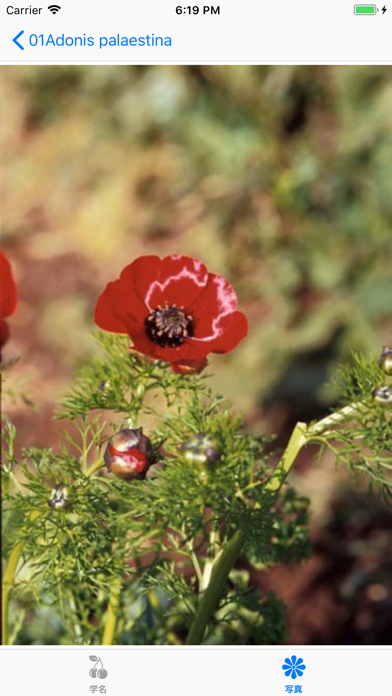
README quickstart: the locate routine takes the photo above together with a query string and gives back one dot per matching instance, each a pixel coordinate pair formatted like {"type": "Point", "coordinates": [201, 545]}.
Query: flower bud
{"type": "Point", "coordinates": [383, 395]}
{"type": "Point", "coordinates": [201, 450]}
{"type": "Point", "coordinates": [385, 360]}
{"type": "Point", "coordinates": [140, 390]}
{"type": "Point", "coordinates": [129, 454]}
{"type": "Point", "coordinates": [105, 385]}
{"type": "Point", "coordinates": [59, 498]}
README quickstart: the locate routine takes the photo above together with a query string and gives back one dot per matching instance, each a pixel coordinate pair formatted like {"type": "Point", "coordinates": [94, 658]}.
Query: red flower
{"type": "Point", "coordinates": [8, 296]}
{"type": "Point", "coordinates": [173, 310]}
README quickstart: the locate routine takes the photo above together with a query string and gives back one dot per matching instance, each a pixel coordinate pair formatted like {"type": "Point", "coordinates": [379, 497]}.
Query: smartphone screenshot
{"type": "Point", "coordinates": [196, 347]}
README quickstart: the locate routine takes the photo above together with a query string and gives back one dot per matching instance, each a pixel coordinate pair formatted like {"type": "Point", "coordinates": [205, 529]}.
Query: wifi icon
{"type": "Point", "coordinates": [54, 8]}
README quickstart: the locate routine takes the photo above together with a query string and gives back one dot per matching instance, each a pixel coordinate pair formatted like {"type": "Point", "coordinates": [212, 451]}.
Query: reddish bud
{"type": "Point", "coordinates": [129, 454]}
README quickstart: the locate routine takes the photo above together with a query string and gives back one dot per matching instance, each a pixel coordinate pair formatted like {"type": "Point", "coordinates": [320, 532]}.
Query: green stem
{"type": "Point", "coordinates": [11, 567]}
{"type": "Point", "coordinates": [74, 617]}
{"type": "Point", "coordinates": [196, 566]}
{"type": "Point", "coordinates": [111, 615]}
{"type": "Point", "coordinates": [297, 440]}
{"type": "Point", "coordinates": [8, 580]}
{"type": "Point", "coordinates": [228, 556]}
{"type": "Point", "coordinates": [333, 419]}
{"type": "Point", "coordinates": [219, 575]}
{"type": "Point", "coordinates": [114, 601]}
{"type": "Point", "coordinates": [98, 464]}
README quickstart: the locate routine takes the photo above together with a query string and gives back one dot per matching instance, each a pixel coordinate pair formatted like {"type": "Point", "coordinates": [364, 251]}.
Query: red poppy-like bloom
{"type": "Point", "coordinates": [174, 310]}
{"type": "Point", "coordinates": [8, 296]}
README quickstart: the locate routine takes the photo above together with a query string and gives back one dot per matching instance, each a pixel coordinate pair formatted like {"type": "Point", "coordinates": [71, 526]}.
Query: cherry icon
{"type": "Point", "coordinates": [94, 672]}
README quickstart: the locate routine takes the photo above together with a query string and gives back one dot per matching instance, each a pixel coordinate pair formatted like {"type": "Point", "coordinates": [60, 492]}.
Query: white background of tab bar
{"type": "Point", "coordinates": [172, 671]}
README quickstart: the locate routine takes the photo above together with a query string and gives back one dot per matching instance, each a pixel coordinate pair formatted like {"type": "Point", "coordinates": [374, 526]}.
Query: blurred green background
{"type": "Point", "coordinates": [279, 178]}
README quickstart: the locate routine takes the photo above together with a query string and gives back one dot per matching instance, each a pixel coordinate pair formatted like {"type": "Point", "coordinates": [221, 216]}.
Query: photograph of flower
{"type": "Point", "coordinates": [196, 355]}
{"type": "Point", "coordinates": [145, 304]}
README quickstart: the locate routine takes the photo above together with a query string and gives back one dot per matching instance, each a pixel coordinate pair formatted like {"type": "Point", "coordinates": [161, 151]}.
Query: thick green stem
{"type": "Point", "coordinates": [8, 580]}
{"type": "Point", "coordinates": [297, 440]}
{"type": "Point", "coordinates": [228, 556]}
{"type": "Point", "coordinates": [219, 575]}
{"type": "Point", "coordinates": [325, 425]}
{"type": "Point", "coordinates": [111, 615]}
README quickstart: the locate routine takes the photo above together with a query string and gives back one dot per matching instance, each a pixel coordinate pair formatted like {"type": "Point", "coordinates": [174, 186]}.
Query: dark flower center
{"type": "Point", "coordinates": [169, 326]}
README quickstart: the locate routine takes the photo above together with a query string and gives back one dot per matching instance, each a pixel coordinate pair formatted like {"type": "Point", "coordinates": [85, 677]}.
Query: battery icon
{"type": "Point", "coordinates": [365, 9]}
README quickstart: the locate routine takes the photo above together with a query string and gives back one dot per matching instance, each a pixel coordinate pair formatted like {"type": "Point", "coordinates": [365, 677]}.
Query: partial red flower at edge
{"type": "Point", "coordinates": [174, 310]}
{"type": "Point", "coordinates": [8, 296]}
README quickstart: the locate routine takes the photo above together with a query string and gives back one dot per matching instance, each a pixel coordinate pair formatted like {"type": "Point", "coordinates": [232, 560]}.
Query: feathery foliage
{"type": "Point", "coordinates": [152, 546]}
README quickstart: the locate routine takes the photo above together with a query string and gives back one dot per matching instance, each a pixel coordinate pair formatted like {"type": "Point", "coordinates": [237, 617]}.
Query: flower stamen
{"type": "Point", "coordinates": [169, 325]}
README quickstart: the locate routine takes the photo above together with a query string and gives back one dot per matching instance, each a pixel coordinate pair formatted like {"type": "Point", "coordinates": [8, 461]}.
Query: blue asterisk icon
{"type": "Point", "coordinates": [294, 667]}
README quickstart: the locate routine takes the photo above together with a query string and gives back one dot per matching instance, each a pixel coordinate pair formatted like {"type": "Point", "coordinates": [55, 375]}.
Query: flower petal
{"type": "Point", "coordinates": [287, 674]}
{"type": "Point", "coordinates": [139, 275]}
{"type": "Point", "coordinates": [288, 661]}
{"type": "Point", "coordinates": [293, 659]}
{"type": "Point", "coordinates": [8, 293]}
{"type": "Point", "coordinates": [217, 322]}
{"type": "Point", "coordinates": [230, 330]}
{"type": "Point", "coordinates": [293, 674]}
{"type": "Point", "coordinates": [190, 367]}
{"type": "Point", "coordinates": [117, 306]}
{"type": "Point", "coordinates": [188, 351]}
{"type": "Point", "coordinates": [227, 332]}
{"type": "Point", "coordinates": [104, 314]}
{"type": "Point", "coordinates": [181, 280]}
{"type": "Point", "coordinates": [299, 661]}
{"type": "Point", "coordinates": [141, 341]}
{"type": "Point", "coordinates": [217, 299]}
{"type": "Point", "coordinates": [148, 282]}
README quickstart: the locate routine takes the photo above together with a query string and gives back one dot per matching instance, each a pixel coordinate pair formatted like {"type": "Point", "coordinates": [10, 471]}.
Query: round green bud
{"type": "Point", "coordinates": [201, 450]}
